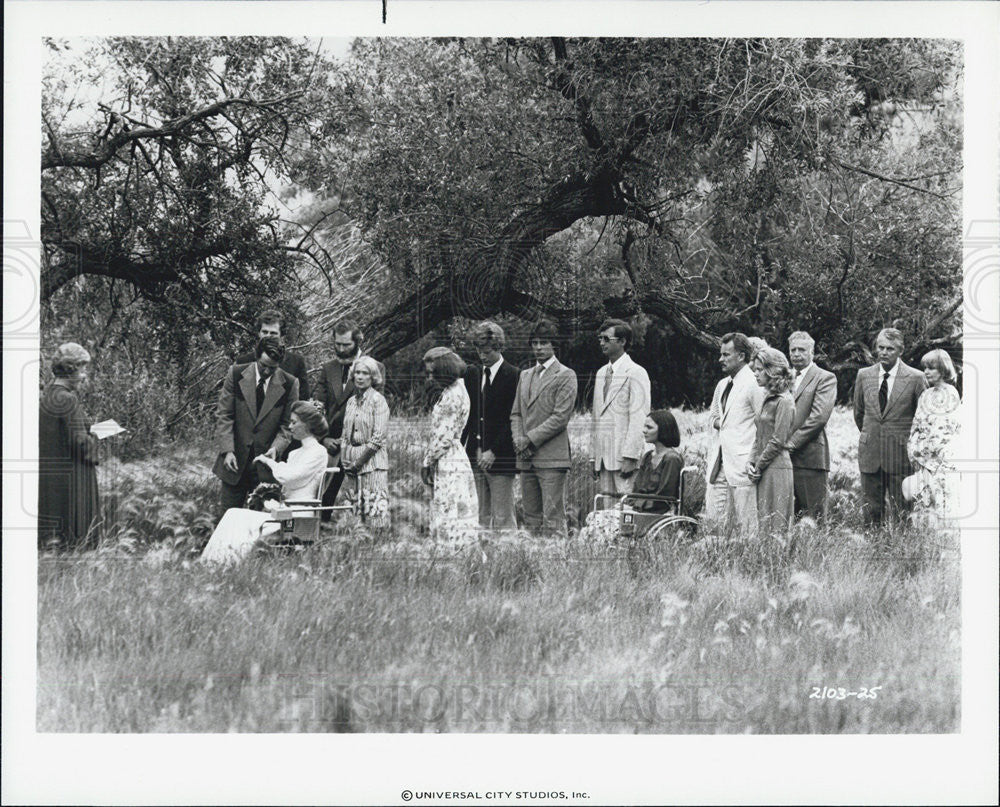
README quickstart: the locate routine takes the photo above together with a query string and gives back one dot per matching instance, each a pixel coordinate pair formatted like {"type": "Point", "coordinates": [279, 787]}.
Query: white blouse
{"type": "Point", "coordinates": [298, 476]}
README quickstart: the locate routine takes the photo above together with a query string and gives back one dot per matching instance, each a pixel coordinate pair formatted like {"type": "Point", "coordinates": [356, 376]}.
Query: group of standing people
{"type": "Point", "coordinates": [492, 423]}
{"type": "Point", "coordinates": [771, 457]}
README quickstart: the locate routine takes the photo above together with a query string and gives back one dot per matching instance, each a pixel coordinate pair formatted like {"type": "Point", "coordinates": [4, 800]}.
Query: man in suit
{"type": "Point", "coordinates": [254, 409]}
{"type": "Point", "coordinates": [487, 436]}
{"type": "Point", "coordinates": [815, 393]}
{"type": "Point", "coordinates": [620, 406]}
{"type": "Point", "coordinates": [885, 400]}
{"type": "Point", "coordinates": [732, 497]}
{"type": "Point", "coordinates": [543, 404]}
{"type": "Point", "coordinates": [334, 387]}
{"type": "Point", "coordinates": [271, 323]}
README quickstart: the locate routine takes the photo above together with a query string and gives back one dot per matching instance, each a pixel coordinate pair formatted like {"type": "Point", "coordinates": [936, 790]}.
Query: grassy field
{"type": "Point", "coordinates": [391, 633]}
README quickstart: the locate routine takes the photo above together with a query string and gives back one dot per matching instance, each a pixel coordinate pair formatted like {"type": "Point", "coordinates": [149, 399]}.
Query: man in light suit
{"type": "Point", "coordinates": [815, 393]}
{"type": "Point", "coordinates": [620, 406]}
{"type": "Point", "coordinates": [254, 409]}
{"type": "Point", "coordinates": [487, 435]}
{"type": "Point", "coordinates": [732, 497]}
{"type": "Point", "coordinates": [885, 400]}
{"type": "Point", "coordinates": [334, 387]}
{"type": "Point", "coordinates": [543, 404]}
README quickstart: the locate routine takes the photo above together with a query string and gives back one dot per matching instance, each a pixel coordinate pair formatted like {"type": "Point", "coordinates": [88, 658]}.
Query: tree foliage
{"type": "Point", "coordinates": [695, 186]}
{"type": "Point", "coordinates": [159, 163]}
{"type": "Point", "coordinates": [762, 184]}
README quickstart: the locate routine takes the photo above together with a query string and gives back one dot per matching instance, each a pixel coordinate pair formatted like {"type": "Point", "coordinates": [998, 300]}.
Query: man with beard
{"type": "Point", "coordinates": [334, 387]}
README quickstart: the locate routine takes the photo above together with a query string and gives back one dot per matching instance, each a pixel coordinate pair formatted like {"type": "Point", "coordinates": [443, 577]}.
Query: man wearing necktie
{"type": "Point", "coordinates": [621, 403]}
{"type": "Point", "coordinates": [272, 323]}
{"type": "Point", "coordinates": [731, 498]}
{"type": "Point", "coordinates": [885, 400]}
{"type": "Point", "coordinates": [252, 417]}
{"type": "Point", "coordinates": [334, 388]}
{"type": "Point", "coordinates": [487, 435]}
{"type": "Point", "coordinates": [815, 393]}
{"type": "Point", "coordinates": [543, 404]}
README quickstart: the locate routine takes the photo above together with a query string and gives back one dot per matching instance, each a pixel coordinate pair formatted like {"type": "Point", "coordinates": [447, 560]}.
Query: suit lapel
{"type": "Point", "coordinates": [618, 381]}
{"type": "Point", "coordinates": [899, 386]}
{"type": "Point", "coordinates": [248, 387]}
{"type": "Point", "coordinates": [807, 379]}
{"type": "Point", "coordinates": [543, 380]}
{"type": "Point", "coordinates": [275, 389]}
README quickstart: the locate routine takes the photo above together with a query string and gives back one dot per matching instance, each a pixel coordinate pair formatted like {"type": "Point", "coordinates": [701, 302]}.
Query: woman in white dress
{"type": "Point", "coordinates": [240, 529]}
{"type": "Point", "coordinates": [446, 468]}
{"type": "Point", "coordinates": [933, 487]}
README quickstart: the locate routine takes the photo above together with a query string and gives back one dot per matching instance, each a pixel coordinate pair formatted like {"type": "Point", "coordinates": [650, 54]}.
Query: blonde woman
{"type": "Point", "coordinates": [934, 486]}
{"type": "Point", "coordinates": [363, 453]}
{"type": "Point", "coordinates": [770, 466]}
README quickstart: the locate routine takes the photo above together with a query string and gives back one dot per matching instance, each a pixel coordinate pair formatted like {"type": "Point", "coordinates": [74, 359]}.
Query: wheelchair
{"type": "Point", "coordinates": [640, 524]}
{"type": "Point", "coordinates": [299, 519]}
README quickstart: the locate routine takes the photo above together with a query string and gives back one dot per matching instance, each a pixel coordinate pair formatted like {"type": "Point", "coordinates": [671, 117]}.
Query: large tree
{"type": "Point", "coordinates": [747, 183]}
{"type": "Point", "coordinates": [160, 158]}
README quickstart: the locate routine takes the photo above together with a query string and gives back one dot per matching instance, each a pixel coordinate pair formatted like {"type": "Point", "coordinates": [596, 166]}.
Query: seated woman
{"type": "Point", "coordinates": [659, 475]}
{"type": "Point", "coordinates": [240, 529]}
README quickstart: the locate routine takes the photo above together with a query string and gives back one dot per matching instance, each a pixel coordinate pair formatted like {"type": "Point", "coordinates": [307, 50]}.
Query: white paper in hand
{"type": "Point", "coordinates": [106, 428]}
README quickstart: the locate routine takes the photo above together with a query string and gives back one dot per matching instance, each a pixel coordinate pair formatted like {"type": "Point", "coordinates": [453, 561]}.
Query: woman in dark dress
{"type": "Point", "coordinates": [659, 471]}
{"type": "Point", "coordinates": [67, 451]}
{"type": "Point", "coordinates": [659, 474]}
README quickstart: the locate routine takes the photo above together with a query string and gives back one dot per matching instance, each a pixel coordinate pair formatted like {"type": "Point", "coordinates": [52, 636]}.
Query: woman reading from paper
{"type": "Point", "coordinates": [299, 478]}
{"type": "Point", "coordinates": [67, 452]}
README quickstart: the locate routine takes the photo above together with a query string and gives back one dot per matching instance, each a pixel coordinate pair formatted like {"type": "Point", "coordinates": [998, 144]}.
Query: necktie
{"type": "Point", "coordinates": [486, 377]}
{"type": "Point", "coordinates": [345, 375]}
{"type": "Point", "coordinates": [607, 381]}
{"type": "Point", "coordinates": [260, 395]}
{"type": "Point", "coordinates": [539, 369]}
{"type": "Point", "coordinates": [883, 392]}
{"type": "Point", "coordinates": [725, 394]}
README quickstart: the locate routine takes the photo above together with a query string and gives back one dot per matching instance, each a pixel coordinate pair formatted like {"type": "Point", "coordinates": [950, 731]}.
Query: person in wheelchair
{"type": "Point", "coordinates": [656, 486]}
{"type": "Point", "coordinates": [300, 478]}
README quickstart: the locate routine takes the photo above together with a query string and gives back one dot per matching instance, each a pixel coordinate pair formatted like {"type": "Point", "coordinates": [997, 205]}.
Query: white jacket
{"type": "Point", "coordinates": [618, 419]}
{"type": "Point", "coordinates": [732, 442]}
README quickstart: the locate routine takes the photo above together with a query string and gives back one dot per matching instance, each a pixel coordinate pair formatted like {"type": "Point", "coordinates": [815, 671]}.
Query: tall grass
{"type": "Point", "coordinates": [394, 634]}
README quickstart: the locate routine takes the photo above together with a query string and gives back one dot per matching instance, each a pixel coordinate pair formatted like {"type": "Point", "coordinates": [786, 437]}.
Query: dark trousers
{"type": "Point", "coordinates": [236, 495]}
{"type": "Point", "coordinates": [330, 495]}
{"type": "Point", "coordinates": [882, 494]}
{"type": "Point", "coordinates": [810, 492]}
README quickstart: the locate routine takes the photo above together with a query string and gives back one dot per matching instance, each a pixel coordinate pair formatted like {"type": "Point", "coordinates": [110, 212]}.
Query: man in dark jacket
{"type": "Point", "coordinates": [272, 324]}
{"type": "Point", "coordinates": [487, 435]}
{"type": "Point", "coordinates": [254, 410]}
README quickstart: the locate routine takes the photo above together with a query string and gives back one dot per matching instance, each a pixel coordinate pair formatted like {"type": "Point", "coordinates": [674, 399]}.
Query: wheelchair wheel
{"type": "Point", "coordinates": [676, 528]}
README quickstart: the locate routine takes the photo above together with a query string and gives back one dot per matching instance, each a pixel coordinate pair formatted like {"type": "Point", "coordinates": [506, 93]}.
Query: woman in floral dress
{"type": "Point", "coordinates": [363, 454]}
{"type": "Point", "coordinates": [933, 488]}
{"type": "Point", "coordinates": [454, 508]}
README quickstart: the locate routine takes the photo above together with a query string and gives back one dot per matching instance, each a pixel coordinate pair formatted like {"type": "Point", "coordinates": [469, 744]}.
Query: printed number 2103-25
{"type": "Point", "coordinates": [841, 693]}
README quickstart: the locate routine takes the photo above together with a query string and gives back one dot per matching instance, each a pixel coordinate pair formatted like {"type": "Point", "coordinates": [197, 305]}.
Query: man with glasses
{"type": "Point", "coordinates": [334, 388]}
{"type": "Point", "coordinates": [487, 436]}
{"type": "Point", "coordinates": [253, 413]}
{"type": "Point", "coordinates": [621, 403]}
